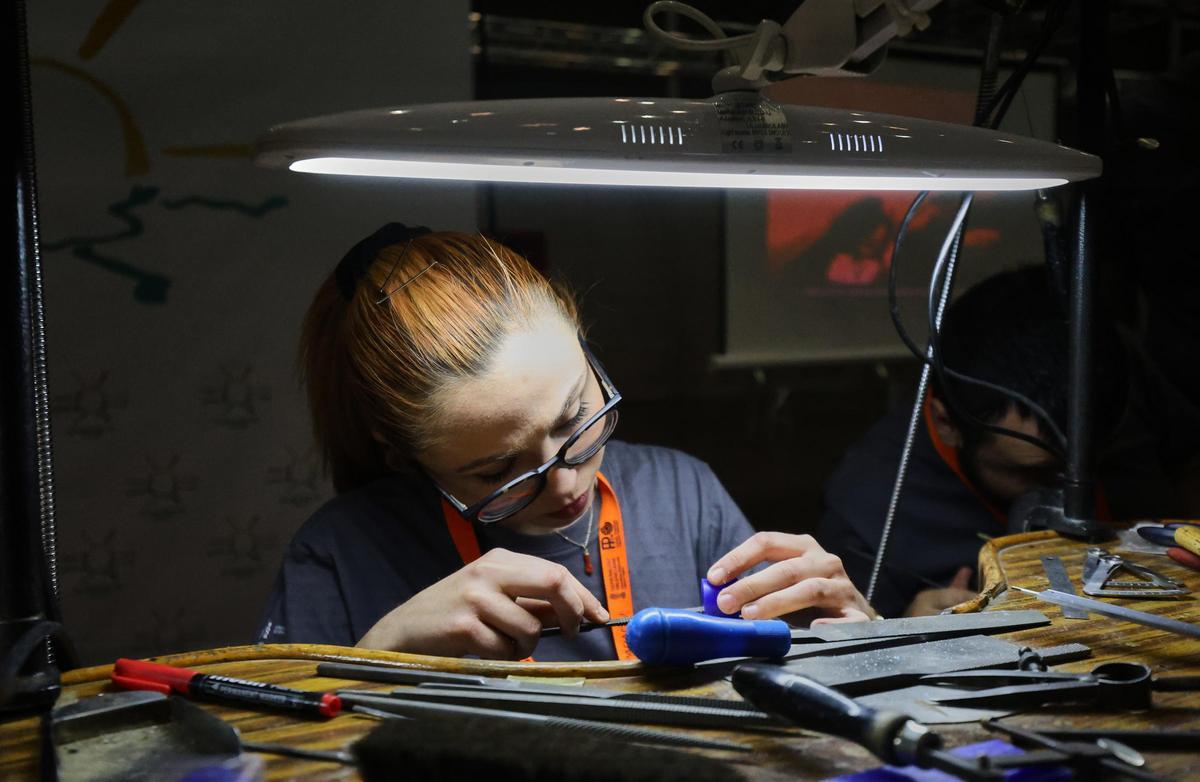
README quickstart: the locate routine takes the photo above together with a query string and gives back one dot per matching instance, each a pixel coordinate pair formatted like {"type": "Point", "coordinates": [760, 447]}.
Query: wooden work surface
{"type": "Point", "coordinates": [793, 755]}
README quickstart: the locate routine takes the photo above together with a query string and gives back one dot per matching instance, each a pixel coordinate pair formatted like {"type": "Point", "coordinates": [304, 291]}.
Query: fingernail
{"type": "Point", "coordinates": [603, 613]}
{"type": "Point", "coordinates": [749, 611]}
{"type": "Point", "coordinates": [725, 602]}
{"type": "Point", "coordinates": [716, 576]}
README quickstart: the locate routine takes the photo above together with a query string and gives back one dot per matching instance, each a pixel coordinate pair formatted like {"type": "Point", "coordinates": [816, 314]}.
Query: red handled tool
{"type": "Point", "coordinates": [1184, 557]}
{"type": "Point", "coordinates": [142, 675]}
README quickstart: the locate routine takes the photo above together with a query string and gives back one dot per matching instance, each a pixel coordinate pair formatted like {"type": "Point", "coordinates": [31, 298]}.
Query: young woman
{"type": "Point", "coordinates": [480, 498]}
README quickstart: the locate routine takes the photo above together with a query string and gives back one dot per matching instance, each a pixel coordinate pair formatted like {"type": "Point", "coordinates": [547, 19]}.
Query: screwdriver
{"type": "Point", "coordinates": [672, 636]}
{"type": "Point", "coordinates": [892, 737]}
{"type": "Point", "coordinates": [899, 740]}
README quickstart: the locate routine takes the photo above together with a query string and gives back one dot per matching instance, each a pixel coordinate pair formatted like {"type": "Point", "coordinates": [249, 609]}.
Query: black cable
{"type": "Point", "coordinates": [936, 292]}
{"type": "Point", "coordinates": [991, 66]}
{"type": "Point", "coordinates": [947, 260]}
{"type": "Point", "coordinates": [922, 355]}
{"type": "Point", "coordinates": [999, 103]}
{"type": "Point", "coordinates": [1003, 98]}
{"type": "Point", "coordinates": [893, 299]}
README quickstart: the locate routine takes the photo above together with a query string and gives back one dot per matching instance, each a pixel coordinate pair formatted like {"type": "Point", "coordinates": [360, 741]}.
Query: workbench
{"type": "Point", "coordinates": [792, 755]}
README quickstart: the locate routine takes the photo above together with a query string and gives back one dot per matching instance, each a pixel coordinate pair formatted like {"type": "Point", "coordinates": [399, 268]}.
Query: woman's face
{"type": "Point", "coordinates": [538, 390]}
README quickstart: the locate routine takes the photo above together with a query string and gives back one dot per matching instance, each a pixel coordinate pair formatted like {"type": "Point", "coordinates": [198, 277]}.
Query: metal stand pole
{"type": "Point", "coordinates": [1072, 511]}
{"type": "Point", "coordinates": [28, 605]}
{"type": "Point", "coordinates": [1079, 491]}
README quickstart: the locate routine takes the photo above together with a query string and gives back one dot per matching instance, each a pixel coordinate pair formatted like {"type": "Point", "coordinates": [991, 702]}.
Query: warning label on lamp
{"type": "Point", "coordinates": [751, 123]}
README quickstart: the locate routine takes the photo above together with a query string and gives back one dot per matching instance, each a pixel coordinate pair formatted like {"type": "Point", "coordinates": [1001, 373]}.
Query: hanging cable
{"type": "Point", "coordinates": [995, 109]}
{"type": "Point", "coordinates": [940, 371]}
{"type": "Point", "coordinates": [998, 106]}
{"type": "Point", "coordinates": [720, 42]}
{"type": "Point", "coordinates": [1057, 448]}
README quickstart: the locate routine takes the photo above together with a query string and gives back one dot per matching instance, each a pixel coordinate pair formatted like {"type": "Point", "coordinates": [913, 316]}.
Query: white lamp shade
{"type": "Point", "coordinates": [732, 140]}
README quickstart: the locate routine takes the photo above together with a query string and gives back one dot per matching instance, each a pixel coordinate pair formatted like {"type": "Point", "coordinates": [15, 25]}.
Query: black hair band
{"type": "Point", "coordinates": [354, 265]}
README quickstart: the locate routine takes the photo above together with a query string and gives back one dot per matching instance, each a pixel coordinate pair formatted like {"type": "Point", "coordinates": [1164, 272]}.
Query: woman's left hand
{"type": "Point", "coordinates": [802, 576]}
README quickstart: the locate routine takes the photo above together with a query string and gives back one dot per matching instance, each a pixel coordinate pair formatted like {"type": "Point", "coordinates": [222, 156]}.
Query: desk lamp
{"type": "Point", "coordinates": [739, 138]}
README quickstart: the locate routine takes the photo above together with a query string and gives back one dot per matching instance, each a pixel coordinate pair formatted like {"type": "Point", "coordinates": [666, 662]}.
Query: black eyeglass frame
{"type": "Point", "coordinates": [471, 513]}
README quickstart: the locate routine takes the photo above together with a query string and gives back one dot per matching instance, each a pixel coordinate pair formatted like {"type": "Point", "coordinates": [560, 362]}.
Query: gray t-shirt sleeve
{"type": "Point", "coordinates": [306, 604]}
{"type": "Point", "coordinates": [357, 558]}
{"type": "Point", "coordinates": [723, 526]}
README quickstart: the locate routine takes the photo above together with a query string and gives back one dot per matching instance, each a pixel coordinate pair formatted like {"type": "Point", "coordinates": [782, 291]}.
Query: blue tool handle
{"type": "Point", "coordinates": [676, 636]}
{"type": "Point", "coordinates": [1164, 534]}
{"type": "Point", "coordinates": [708, 597]}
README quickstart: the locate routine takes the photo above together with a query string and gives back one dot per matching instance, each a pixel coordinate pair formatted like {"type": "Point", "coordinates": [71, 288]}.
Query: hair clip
{"type": "Point", "coordinates": [385, 295]}
{"type": "Point", "coordinates": [354, 265]}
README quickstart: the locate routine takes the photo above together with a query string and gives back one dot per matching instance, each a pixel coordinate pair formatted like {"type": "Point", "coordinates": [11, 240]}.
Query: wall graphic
{"type": "Point", "coordinates": [176, 277]}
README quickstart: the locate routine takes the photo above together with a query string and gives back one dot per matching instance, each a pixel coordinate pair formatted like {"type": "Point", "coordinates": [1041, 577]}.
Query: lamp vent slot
{"type": "Point", "coordinates": [665, 135]}
{"type": "Point", "coordinates": [855, 142]}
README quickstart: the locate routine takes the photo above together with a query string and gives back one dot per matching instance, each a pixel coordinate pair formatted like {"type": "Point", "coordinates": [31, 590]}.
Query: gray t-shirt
{"type": "Point", "coordinates": [369, 550]}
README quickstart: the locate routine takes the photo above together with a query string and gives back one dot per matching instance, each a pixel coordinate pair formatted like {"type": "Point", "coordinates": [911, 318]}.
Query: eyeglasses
{"type": "Point", "coordinates": [585, 443]}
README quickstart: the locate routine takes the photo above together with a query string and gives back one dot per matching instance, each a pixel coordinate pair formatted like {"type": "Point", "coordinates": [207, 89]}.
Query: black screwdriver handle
{"type": "Point", "coordinates": [812, 705]}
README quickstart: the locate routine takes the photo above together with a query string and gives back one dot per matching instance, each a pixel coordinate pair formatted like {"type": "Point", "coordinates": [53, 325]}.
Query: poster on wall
{"type": "Point", "coordinates": [807, 271]}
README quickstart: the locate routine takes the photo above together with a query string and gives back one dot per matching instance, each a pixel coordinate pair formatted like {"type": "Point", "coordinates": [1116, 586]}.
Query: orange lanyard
{"type": "Point", "coordinates": [614, 563]}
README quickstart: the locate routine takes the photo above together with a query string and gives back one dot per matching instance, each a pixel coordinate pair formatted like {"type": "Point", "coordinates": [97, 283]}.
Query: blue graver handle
{"type": "Point", "coordinates": [708, 596]}
{"type": "Point", "coordinates": [676, 636]}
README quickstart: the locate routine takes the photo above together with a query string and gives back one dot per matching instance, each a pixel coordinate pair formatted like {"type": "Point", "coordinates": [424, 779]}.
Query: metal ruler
{"type": "Point", "coordinates": [1056, 574]}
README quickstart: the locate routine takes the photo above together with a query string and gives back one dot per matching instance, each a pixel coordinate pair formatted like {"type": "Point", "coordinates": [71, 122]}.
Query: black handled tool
{"type": "Point", "coordinates": [892, 737]}
{"type": "Point", "coordinates": [899, 740]}
{"type": "Point", "coordinates": [815, 706]}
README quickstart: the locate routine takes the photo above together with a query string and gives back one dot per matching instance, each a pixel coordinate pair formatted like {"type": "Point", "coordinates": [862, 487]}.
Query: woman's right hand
{"type": "Point", "coordinates": [494, 607]}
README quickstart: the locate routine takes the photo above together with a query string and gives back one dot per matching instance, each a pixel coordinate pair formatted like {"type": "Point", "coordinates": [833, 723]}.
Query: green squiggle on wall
{"type": "Point", "coordinates": [149, 287]}
{"type": "Point", "coordinates": [139, 195]}
{"type": "Point", "coordinates": [251, 210]}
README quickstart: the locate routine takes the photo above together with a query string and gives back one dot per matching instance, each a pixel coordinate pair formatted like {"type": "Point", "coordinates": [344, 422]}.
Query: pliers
{"type": "Point", "coordinates": [1117, 685]}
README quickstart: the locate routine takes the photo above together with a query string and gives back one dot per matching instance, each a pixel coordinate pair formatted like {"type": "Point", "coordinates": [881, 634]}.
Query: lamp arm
{"type": "Point", "coordinates": [820, 38]}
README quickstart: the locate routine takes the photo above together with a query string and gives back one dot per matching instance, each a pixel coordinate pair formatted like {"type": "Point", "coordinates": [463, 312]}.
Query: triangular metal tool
{"type": "Point", "coordinates": [1101, 578]}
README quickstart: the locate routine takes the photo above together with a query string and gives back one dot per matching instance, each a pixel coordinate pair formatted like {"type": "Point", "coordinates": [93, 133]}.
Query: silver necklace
{"type": "Point", "coordinates": [587, 538]}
